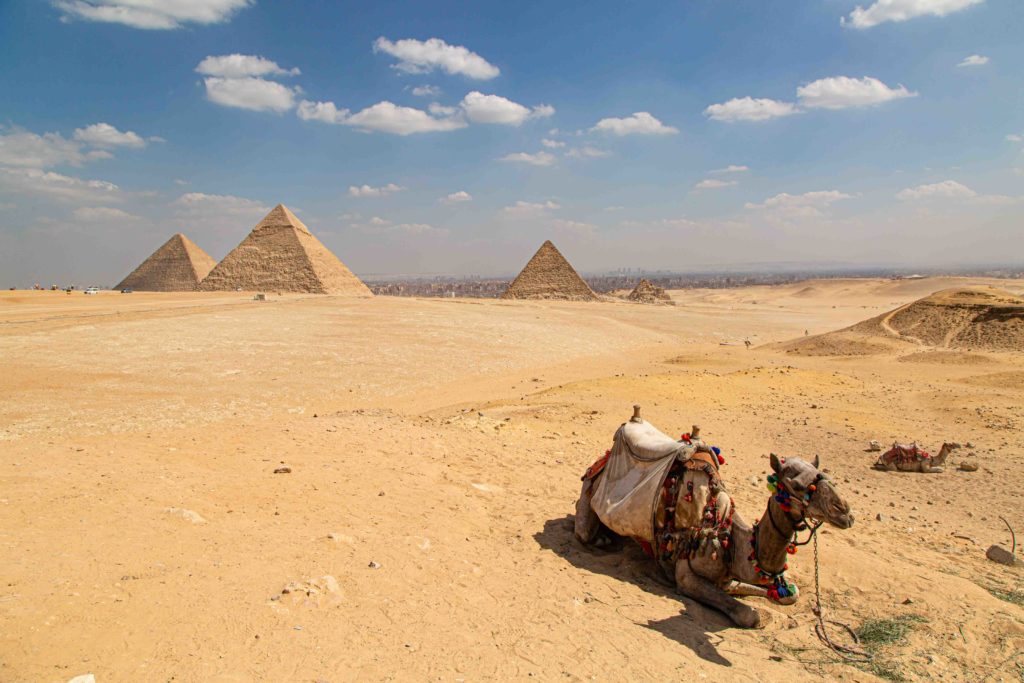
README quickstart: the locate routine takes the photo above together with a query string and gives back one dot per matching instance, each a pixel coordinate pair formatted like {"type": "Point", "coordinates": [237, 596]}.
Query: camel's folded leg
{"type": "Point", "coordinates": [745, 589]}
{"type": "Point", "coordinates": [707, 593]}
{"type": "Point", "coordinates": [935, 470]}
{"type": "Point", "coordinates": [588, 525]}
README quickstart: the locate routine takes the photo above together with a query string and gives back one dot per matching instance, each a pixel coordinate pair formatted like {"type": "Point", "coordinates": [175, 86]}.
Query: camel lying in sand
{"type": "Point", "coordinates": [910, 458]}
{"type": "Point", "coordinates": [706, 546]}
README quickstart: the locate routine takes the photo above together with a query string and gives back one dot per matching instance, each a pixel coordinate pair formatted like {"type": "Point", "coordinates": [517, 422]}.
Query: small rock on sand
{"type": "Point", "coordinates": [967, 466]}
{"type": "Point", "coordinates": [374, 564]}
{"type": "Point", "coordinates": [190, 515]}
{"type": "Point", "coordinates": [84, 678]}
{"type": "Point", "coordinates": [999, 554]}
{"type": "Point", "coordinates": [283, 469]}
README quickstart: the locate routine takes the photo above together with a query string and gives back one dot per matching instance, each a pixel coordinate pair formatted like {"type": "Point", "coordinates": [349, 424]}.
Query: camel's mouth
{"type": "Point", "coordinates": [842, 521]}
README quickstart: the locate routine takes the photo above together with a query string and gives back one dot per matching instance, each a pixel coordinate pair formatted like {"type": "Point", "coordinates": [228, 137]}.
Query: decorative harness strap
{"type": "Point", "coordinates": [780, 588]}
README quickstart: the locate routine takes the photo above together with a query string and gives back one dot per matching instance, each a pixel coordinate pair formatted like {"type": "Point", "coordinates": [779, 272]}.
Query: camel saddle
{"type": "Point", "coordinates": [901, 452]}
{"type": "Point", "coordinates": [633, 471]}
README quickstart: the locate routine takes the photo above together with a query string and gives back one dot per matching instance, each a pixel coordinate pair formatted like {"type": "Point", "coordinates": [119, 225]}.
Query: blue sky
{"type": "Point", "coordinates": [448, 138]}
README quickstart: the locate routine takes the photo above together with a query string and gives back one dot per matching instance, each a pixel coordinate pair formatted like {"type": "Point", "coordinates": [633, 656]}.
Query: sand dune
{"type": "Point", "coordinates": [981, 318]}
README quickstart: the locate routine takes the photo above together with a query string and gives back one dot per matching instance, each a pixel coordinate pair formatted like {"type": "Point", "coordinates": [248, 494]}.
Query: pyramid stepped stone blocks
{"type": "Point", "coordinates": [549, 276]}
{"type": "Point", "coordinates": [646, 292]}
{"type": "Point", "coordinates": [282, 255]}
{"type": "Point", "coordinates": [178, 266]}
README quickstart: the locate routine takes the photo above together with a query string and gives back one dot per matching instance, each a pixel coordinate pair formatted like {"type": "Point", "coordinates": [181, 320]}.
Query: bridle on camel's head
{"type": "Point", "coordinates": [786, 499]}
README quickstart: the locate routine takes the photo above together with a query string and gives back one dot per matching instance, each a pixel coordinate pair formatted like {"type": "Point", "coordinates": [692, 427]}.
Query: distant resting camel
{"type": "Point", "coordinates": [699, 539]}
{"type": "Point", "coordinates": [911, 458]}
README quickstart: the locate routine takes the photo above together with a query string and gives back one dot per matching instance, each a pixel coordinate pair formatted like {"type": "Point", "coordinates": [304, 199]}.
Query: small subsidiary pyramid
{"type": "Point", "coordinates": [178, 266]}
{"type": "Point", "coordinates": [549, 276]}
{"type": "Point", "coordinates": [281, 255]}
{"type": "Point", "coordinates": [646, 292]}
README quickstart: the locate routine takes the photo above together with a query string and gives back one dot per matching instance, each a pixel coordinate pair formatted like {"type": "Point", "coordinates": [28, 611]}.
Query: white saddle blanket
{"type": "Point", "coordinates": [628, 488]}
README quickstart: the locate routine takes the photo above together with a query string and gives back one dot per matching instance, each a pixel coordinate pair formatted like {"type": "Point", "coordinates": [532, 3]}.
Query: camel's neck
{"type": "Point", "coordinates": [773, 538]}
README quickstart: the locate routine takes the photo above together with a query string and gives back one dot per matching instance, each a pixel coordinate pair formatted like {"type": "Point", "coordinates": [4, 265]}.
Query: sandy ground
{"type": "Point", "coordinates": [435, 449]}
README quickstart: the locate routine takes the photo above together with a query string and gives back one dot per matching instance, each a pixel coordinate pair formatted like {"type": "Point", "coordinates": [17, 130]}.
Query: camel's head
{"type": "Point", "coordinates": [811, 492]}
{"type": "Point", "coordinates": [947, 448]}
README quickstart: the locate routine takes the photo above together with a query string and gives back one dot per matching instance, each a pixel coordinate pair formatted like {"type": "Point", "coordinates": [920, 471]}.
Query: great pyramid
{"type": "Point", "coordinates": [178, 266]}
{"type": "Point", "coordinates": [281, 255]}
{"type": "Point", "coordinates": [646, 292]}
{"type": "Point", "coordinates": [549, 276]}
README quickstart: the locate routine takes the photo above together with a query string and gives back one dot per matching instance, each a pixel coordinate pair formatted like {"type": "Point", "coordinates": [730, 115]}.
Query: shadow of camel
{"type": "Point", "coordinates": [693, 627]}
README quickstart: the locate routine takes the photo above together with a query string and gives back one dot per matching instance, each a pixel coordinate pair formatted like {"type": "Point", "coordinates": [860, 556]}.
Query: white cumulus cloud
{"type": "Point", "coordinates": [325, 112]}
{"type": "Point", "coordinates": [538, 159]}
{"type": "Point", "coordinates": [19, 147]}
{"type": "Point", "coordinates": [841, 92]}
{"type": "Point", "coordinates": [531, 208]}
{"type": "Point", "coordinates": [240, 66]}
{"type": "Point", "coordinates": [384, 117]}
{"type": "Point", "coordinates": [151, 14]}
{"type": "Point", "coordinates": [882, 11]}
{"type": "Point", "coordinates": [391, 118]}
{"type": "Point", "coordinates": [106, 135]}
{"type": "Point", "coordinates": [749, 109]}
{"type": "Point", "coordinates": [788, 207]}
{"type": "Point", "coordinates": [257, 94]}
{"type": "Point", "coordinates": [640, 123]}
{"type": "Point", "coordinates": [424, 56]}
{"type": "Point", "coordinates": [101, 214]}
{"type": "Point", "coordinates": [713, 184]}
{"type": "Point", "coordinates": [587, 152]}
{"type": "Point", "coordinates": [552, 144]}
{"type": "Point", "coordinates": [731, 168]}
{"type": "Point", "coordinates": [947, 189]}
{"type": "Point", "coordinates": [221, 204]}
{"type": "Point", "coordinates": [369, 191]}
{"type": "Point", "coordinates": [481, 108]}
{"type": "Point", "coordinates": [974, 60]}
{"type": "Point", "coordinates": [456, 198]}
{"type": "Point", "coordinates": [426, 91]}
{"type": "Point", "coordinates": [33, 181]}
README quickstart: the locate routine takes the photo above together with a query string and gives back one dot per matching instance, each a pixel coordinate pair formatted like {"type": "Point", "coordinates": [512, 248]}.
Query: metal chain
{"type": "Point", "coordinates": [850, 654]}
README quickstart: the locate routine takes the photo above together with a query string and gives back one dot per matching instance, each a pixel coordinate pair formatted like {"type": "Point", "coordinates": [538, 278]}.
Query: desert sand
{"type": "Point", "coordinates": [435, 449]}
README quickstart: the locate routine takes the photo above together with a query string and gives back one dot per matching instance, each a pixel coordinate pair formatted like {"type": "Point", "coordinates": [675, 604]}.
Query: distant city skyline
{"type": "Point", "coordinates": [415, 138]}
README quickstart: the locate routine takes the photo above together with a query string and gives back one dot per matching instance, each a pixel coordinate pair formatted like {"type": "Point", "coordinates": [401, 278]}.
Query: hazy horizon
{"type": "Point", "coordinates": [425, 140]}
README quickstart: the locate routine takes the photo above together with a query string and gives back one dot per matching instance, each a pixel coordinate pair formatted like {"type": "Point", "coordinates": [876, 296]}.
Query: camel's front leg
{"type": "Point", "coordinates": [935, 470]}
{"type": "Point", "coordinates": [587, 525]}
{"type": "Point", "coordinates": [707, 593]}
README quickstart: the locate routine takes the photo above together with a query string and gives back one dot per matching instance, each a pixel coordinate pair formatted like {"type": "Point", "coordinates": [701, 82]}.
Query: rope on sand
{"type": "Point", "coordinates": [852, 653]}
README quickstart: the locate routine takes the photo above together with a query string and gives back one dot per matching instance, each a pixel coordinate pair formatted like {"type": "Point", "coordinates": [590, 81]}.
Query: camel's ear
{"type": "Point", "coordinates": [776, 465]}
{"type": "Point", "coordinates": [815, 463]}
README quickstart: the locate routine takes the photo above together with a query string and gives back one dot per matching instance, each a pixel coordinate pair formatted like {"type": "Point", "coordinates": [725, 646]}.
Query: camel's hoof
{"type": "Point", "coordinates": [755, 619]}
{"type": "Point", "coordinates": [764, 619]}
